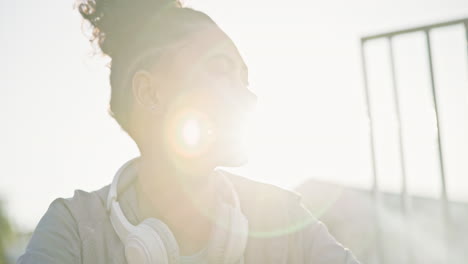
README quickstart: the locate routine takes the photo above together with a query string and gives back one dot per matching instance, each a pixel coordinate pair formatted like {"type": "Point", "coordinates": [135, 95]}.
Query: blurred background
{"type": "Point", "coordinates": [386, 169]}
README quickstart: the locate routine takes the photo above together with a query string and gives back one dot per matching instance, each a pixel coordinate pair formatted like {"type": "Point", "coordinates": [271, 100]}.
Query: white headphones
{"type": "Point", "coordinates": [151, 241]}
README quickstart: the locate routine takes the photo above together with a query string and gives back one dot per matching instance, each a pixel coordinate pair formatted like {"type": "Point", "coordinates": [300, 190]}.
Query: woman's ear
{"type": "Point", "coordinates": [144, 90]}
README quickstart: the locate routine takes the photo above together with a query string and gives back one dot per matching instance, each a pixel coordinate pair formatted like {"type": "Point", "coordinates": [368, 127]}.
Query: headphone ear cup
{"type": "Point", "coordinates": [144, 245]}
{"type": "Point", "coordinates": [165, 235]}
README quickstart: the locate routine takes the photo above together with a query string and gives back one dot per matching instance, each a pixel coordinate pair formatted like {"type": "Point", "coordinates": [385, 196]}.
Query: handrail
{"type": "Point", "coordinates": [414, 29]}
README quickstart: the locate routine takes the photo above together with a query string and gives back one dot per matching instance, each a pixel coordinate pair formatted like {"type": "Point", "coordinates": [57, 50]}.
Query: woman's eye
{"type": "Point", "coordinates": [220, 64]}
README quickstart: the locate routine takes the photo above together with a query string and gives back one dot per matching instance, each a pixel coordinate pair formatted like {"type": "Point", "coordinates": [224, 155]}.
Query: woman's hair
{"type": "Point", "coordinates": [133, 33]}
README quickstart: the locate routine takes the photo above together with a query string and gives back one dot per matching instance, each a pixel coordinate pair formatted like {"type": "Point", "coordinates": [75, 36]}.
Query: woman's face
{"type": "Point", "coordinates": [206, 101]}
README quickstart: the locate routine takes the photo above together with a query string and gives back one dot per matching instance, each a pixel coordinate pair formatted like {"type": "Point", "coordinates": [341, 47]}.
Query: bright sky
{"type": "Point", "coordinates": [303, 58]}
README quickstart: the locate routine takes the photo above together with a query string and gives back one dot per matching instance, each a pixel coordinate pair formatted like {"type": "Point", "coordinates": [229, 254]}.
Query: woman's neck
{"type": "Point", "coordinates": [184, 200]}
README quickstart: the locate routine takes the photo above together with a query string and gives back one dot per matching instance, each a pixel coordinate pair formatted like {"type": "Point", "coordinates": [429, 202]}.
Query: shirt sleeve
{"type": "Point", "coordinates": [319, 246]}
{"type": "Point", "coordinates": [55, 239]}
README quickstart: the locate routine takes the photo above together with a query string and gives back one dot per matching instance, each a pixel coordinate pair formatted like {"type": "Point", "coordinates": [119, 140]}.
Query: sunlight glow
{"type": "Point", "coordinates": [191, 132]}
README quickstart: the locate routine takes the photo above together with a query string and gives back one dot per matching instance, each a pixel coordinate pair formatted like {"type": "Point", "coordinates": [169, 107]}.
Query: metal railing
{"type": "Point", "coordinates": [389, 36]}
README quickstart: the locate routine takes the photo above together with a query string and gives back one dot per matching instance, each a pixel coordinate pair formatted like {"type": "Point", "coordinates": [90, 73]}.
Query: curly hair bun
{"type": "Point", "coordinates": [116, 22]}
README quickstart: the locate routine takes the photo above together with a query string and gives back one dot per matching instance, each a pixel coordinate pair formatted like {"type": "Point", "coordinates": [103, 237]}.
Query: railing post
{"type": "Point", "coordinates": [444, 196]}
{"type": "Point", "coordinates": [405, 201]}
{"type": "Point", "coordinates": [369, 120]}
{"type": "Point", "coordinates": [396, 101]}
{"type": "Point", "coordinates": [375, 185]}
{"type": "Point", "coordinates": [466, 36]}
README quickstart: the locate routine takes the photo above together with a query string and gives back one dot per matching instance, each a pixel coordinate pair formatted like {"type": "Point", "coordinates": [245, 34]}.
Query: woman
{"type": "Point", "coordinates": [179, 89]}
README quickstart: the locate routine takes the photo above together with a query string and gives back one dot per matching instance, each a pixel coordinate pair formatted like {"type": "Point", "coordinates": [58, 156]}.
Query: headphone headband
{"type": "Point", "coordinates": [120, 223]}
{"type": "Point", "coordinates": [126, 174]}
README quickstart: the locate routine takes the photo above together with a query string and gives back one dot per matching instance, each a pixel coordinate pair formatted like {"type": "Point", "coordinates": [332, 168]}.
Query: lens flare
{"type": "Point", "coordinates": [191, 132]}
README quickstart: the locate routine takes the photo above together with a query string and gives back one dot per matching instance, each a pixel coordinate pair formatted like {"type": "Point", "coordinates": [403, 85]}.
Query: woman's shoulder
{"type": "Point", "coordinates": [73, 230]}
{"type": "Point", "coordinates": [58, 236]}
{"type": "Point", "coordinates": [86, 206]}
{"type": "Point", "coordinates": [82, 209]}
